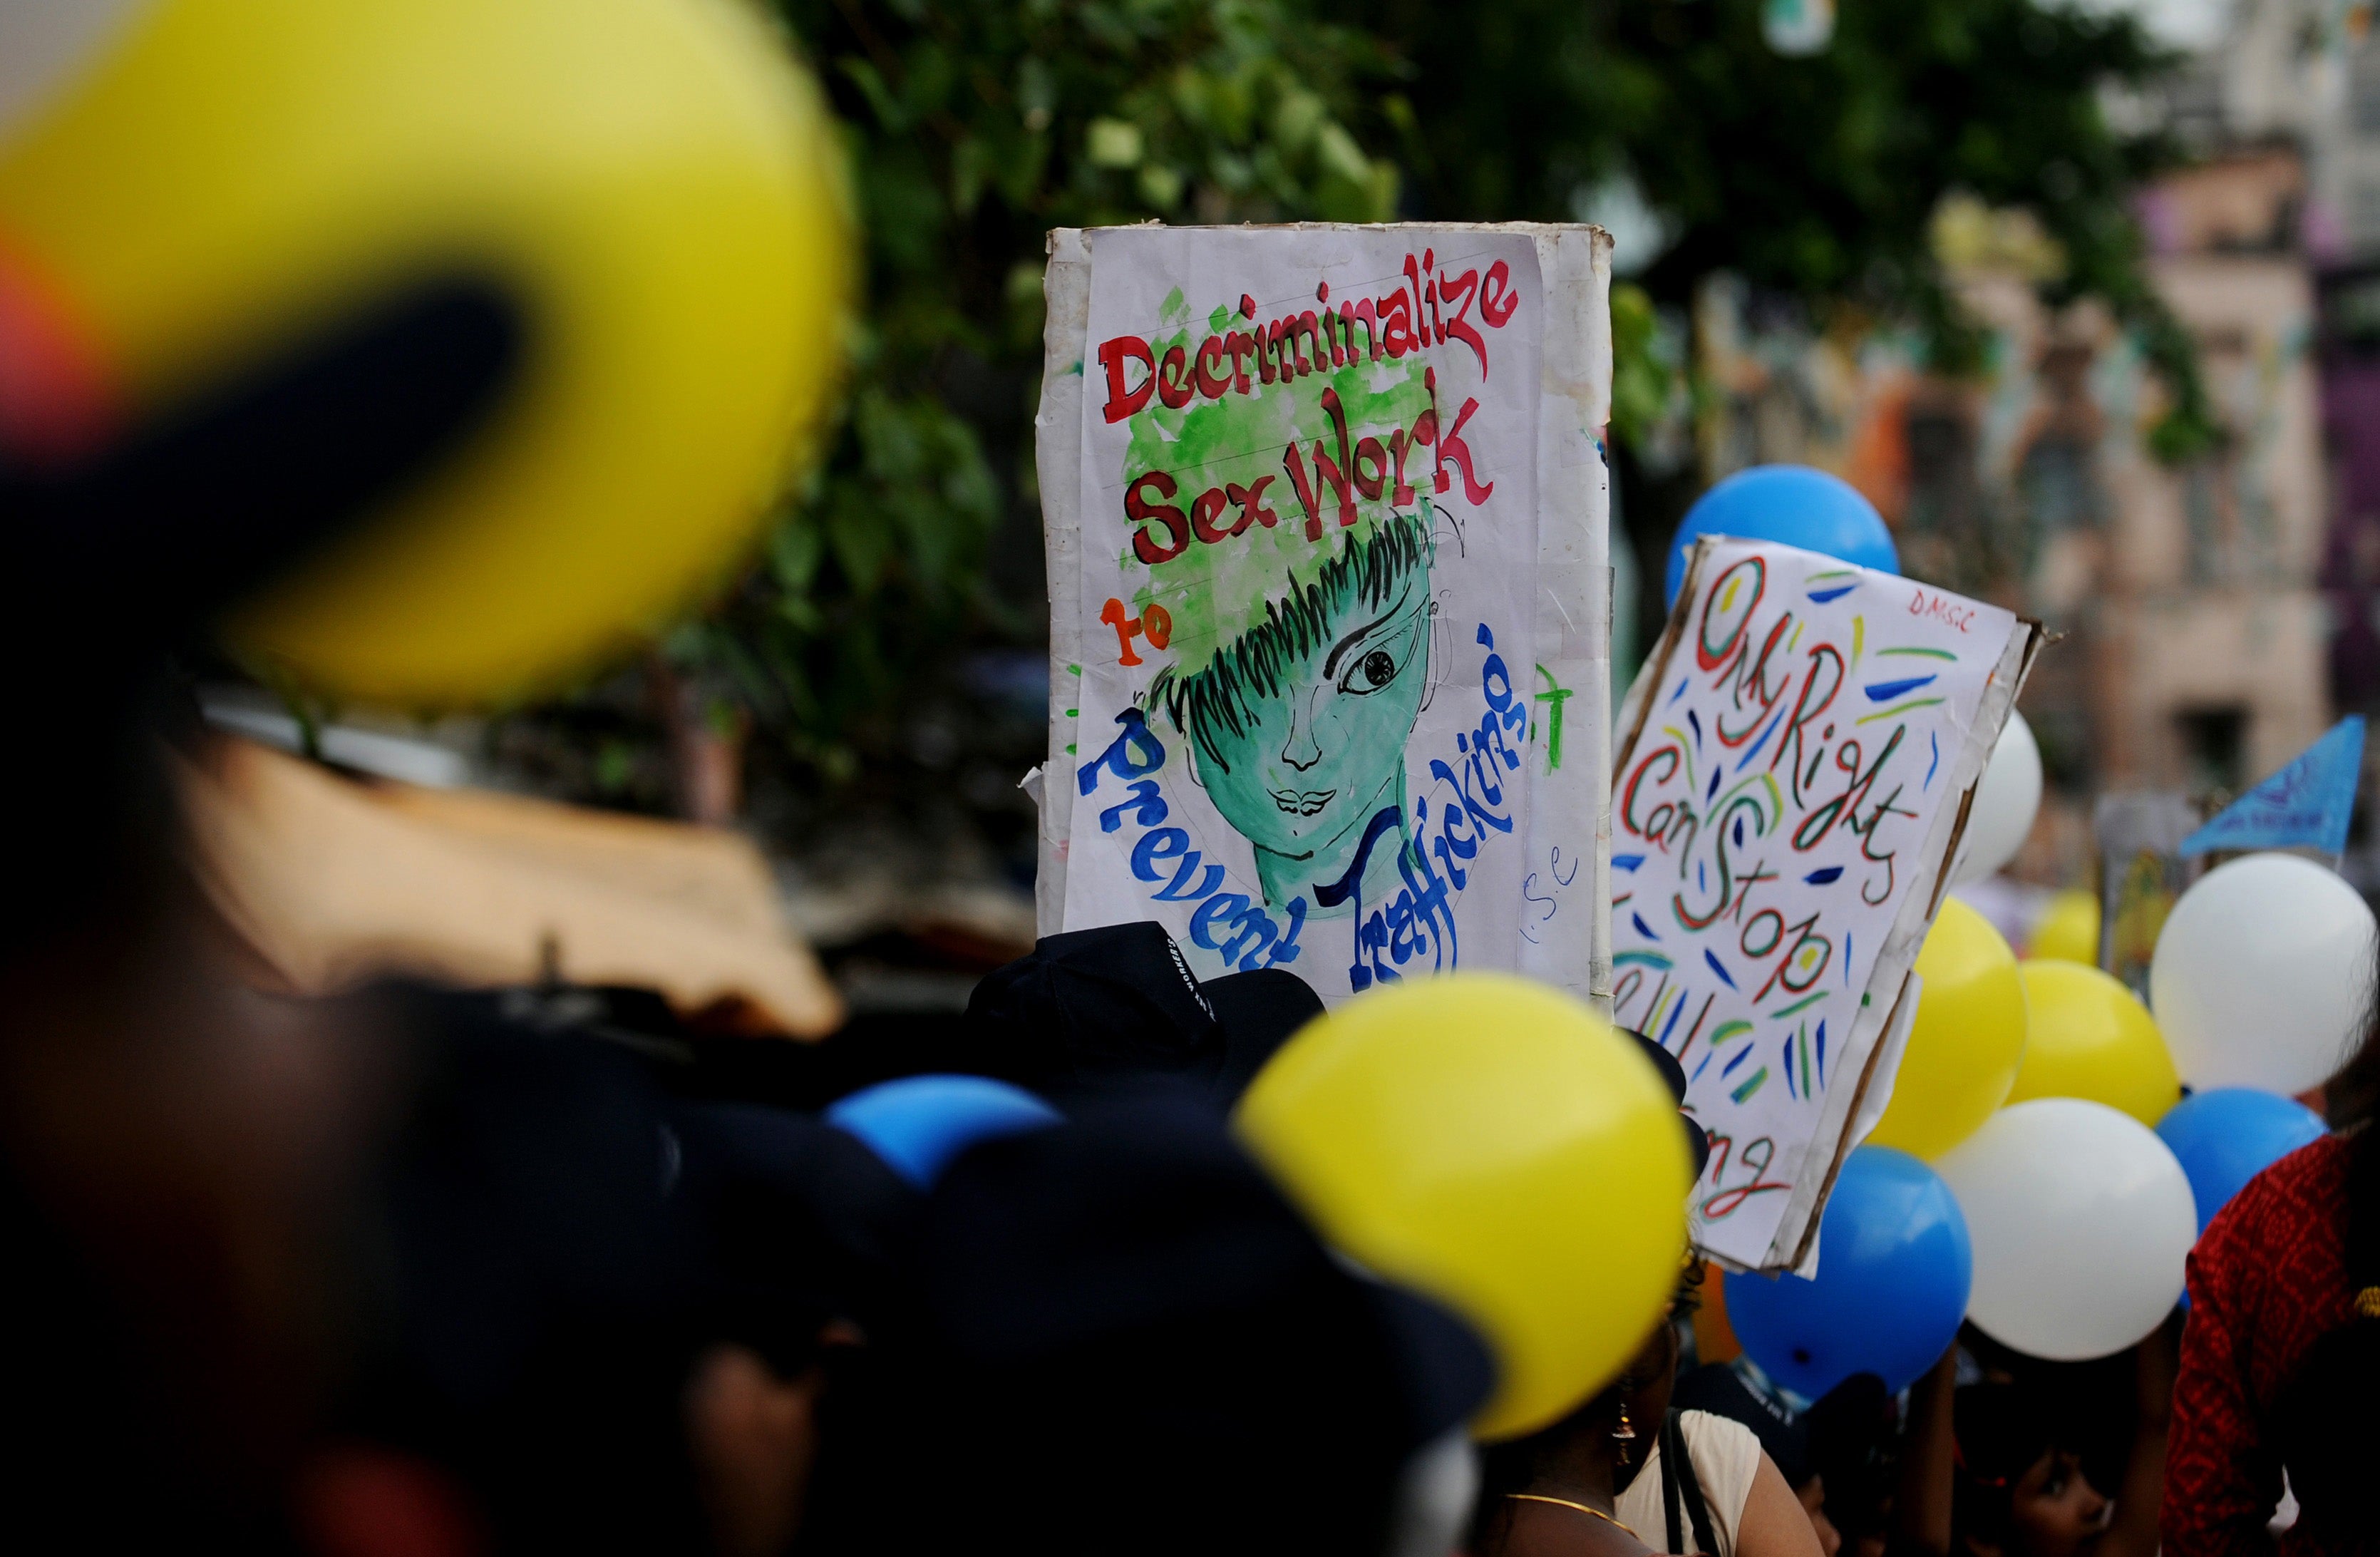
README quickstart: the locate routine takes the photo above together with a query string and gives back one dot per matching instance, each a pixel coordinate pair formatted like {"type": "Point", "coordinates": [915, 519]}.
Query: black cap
{"type": "Point", "coordinates": [1092, 1008]}
{"type": "Point", "coordinates": [1125, 1338]}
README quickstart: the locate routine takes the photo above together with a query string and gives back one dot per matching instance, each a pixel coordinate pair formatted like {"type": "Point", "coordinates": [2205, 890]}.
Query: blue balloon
{"type": "Point", "coordinates": [2226, 1136]}
{"type": "Point", "coordinates": [1791, 504]}
{"type": "Point", "coordinates": [917, 1124]}
{"type": "Point", "coordinates": [1894, 1270]}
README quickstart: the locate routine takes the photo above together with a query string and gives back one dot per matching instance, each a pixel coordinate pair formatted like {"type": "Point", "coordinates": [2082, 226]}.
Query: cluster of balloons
{"type": "Point", "coordinates": [2064, 1175]}
{"type": "Point", "coordinates": [2038, 1169]}
{"type": "Point", "coordinates": [1487, 1140]}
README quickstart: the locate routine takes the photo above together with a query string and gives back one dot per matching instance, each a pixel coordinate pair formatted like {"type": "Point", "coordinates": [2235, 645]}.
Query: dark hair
{"type": "Point", "coordinates": [1294, 626]}
{"type": "Point", "coordinates": [1852, 1444]}
{"type": "Point", "coordinates": [1998, 1433]}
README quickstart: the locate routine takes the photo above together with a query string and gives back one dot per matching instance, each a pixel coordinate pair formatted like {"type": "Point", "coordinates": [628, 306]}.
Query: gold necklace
{"type": "Point", "coordinates": [1565, 1502]}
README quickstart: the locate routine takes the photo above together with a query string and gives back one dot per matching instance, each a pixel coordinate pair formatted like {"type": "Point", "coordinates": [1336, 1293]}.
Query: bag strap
{"type": "Point", "coordinates": [1672, 1450]}
{"type": "Point", "coordinates": [1689, 1486]}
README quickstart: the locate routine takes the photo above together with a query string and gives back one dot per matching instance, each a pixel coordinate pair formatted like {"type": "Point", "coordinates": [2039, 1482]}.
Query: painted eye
{"type": "Point", "coordinates": [1370, 673]}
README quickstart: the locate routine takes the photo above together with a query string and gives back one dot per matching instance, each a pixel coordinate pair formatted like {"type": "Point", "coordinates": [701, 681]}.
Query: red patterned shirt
{"type": "Point", "coordinates": [2267, 1279]}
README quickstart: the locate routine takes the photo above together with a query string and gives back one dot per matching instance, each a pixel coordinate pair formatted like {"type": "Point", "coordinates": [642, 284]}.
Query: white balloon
{"type": "Point", "coordinates": [2080, 1218]}
{"type": "Point", "coordinates": [2005, 802]}
{"type": "Point", "coordinates": [2263, 975]}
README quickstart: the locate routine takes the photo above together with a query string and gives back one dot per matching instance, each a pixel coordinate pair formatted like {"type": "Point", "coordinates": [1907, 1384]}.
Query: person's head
{"type": "Point", "coordinates": [1299, 725]}
{"type": "Point", "coordinates": [2018, 1491]}
{"type": "Point", "coordinates": [1812, 1495]}
{"type": "Point", "coordinates": [1090, 1011]}
{"type": "Point", "coordinates": [1851, 1432]}
{"type": "Point", "coordinates": [1123, 1337]}
{"type": "Point", "coordinates": [1610, 1435]}
{"type": "Point", "coordinates": [585, 1312]}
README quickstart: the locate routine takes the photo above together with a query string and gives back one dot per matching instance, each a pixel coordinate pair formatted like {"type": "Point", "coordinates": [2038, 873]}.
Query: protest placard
{"type": "Point", "coordinates": [1329, 607]}
{"type": "Point", "coordinates": [1795, 765]}
{"type": "Point", "coordinates": [2307, 804]}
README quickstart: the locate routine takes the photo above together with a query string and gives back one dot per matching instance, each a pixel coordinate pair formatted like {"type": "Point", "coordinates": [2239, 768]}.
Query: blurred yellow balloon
{"type": "Point", "coordinates": [652, 181]}
{"type": "Point", "coordinates": [2068, 930]}
{"type": "Point", "coordinates": [1969, 1039]}
{"type": "Point", "coordinates": [2086, 1036]}
{"type": "Point", "coordinates": [1495, 1144]}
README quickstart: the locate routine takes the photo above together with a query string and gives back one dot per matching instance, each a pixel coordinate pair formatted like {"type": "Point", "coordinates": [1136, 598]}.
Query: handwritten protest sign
{"type": "Point", "coordinates": [1329, 610]}
{"type": "Point", "coordinates": [1795, 766]}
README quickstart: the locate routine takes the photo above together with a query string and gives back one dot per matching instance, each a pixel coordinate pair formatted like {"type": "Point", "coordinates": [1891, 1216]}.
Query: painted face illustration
{"type": "Point", "coordinates": [1299, 730]}
{"type": "Point", "coordinates": [1322, 750]}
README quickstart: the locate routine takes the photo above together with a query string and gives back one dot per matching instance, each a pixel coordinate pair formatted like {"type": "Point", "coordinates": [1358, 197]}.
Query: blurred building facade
{"type": "Point", "coordinates": [2306, 73]}
{"type": "Point", "coordinates": [2195, 636]}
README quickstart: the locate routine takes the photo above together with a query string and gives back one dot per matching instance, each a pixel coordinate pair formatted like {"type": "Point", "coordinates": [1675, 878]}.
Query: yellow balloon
{"type": "Point", "coordinates": [651, 180]}
{"type": "Point", "coordinates": [1968, 1040]}
{"type": "Point", "coordinates": [1493, 1143]}
{"type": "Point", "coordinates": [2086, 1036]}
{"type": "Point", "coordinates": [2068, 930]}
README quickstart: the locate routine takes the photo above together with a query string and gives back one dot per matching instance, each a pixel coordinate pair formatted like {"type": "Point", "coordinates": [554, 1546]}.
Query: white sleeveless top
{"type": "Point", "coordinates": [1726, 1456]}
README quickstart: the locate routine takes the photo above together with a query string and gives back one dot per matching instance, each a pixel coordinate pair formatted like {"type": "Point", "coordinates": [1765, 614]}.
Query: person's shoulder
{"type": "Point", "coordinates": [1727, 1456]}
{"type": "Point", "coordinates": [1700, 1425]}
{"type": "Point", "coordinates": [1720, 1443]}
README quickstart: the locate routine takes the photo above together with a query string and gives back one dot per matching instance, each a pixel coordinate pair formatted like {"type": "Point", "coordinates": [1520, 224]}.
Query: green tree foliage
{"type": "Point", "coordinates": [1640, 382]}
{"type": "Point", "coordinates": [974, 126]}
{"type": "Point", "coordinates": [1813, 176]}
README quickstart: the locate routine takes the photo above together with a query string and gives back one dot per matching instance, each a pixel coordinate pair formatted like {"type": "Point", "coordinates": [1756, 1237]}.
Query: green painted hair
{"type": "Point", "coordinates": [1365, 575]}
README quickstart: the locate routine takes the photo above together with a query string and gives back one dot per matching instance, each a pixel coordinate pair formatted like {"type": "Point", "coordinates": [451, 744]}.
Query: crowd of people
{"type": "Point", "coordinates": [427, 1271]}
